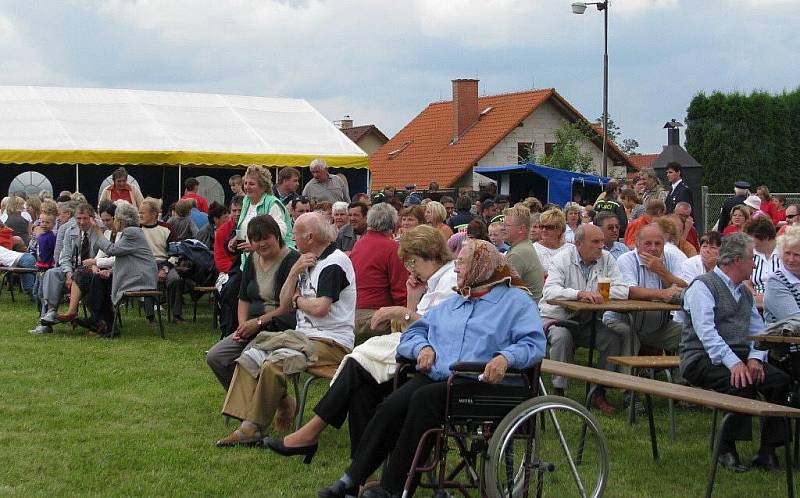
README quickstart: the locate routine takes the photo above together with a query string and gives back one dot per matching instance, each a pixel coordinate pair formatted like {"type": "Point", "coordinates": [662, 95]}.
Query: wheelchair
{"type": "Point", "coordinates": [508, 440]}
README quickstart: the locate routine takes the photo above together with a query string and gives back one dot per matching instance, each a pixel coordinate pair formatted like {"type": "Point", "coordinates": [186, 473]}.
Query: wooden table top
{"type": "Point", "coordinates": [619, 305]}
{"type": "Point", "coordinates": [775, 339]}
{"type": "Point", "coordinates": [646, 361]}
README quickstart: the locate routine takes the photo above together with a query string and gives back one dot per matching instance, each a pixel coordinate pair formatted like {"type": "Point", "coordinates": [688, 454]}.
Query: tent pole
{"type": "Point", "coordinates": [180, 180]}
{"type": "Point", "coordinates": [77, 179]}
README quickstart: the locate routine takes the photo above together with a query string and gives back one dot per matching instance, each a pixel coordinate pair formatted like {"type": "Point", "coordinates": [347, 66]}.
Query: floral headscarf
{"type": "Point", "coordinates": [487, 268]}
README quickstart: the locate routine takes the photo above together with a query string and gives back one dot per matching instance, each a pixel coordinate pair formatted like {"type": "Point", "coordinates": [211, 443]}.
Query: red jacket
{"type": "Point", "coordinates": [202, 203]}
{"type": "Point", "coordinates": [380, 275]}
{"type": "Point", "coordinates": [223, 260]}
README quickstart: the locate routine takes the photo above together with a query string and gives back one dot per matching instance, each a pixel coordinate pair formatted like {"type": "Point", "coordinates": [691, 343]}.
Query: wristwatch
{"type": "Point", "coordinates": [259, 323]}
{"type": "Point", "coordinates": [407, 316]}
{"type": "Point", "coordinates": [294, 301]}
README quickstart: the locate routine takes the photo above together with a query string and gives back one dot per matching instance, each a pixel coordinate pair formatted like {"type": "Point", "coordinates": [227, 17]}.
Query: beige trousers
{"type": "Point", "coordinates": [257, 400]}
{"type": "Point", "coordinates": [363, 329]}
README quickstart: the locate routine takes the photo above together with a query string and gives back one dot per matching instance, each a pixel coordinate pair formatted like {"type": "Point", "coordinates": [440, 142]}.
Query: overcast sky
{"type": "Point", "coordinates": [382, 62]}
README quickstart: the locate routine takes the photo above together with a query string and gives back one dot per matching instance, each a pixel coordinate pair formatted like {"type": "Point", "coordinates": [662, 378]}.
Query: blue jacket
{"type": "Point", "coordinates": [476, 330]}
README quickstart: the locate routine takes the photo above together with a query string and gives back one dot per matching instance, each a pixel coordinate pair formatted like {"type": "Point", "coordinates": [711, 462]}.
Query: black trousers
{"type": "Point", "coordinates": [354, 396]}
{"type": "Point", "coordinates": [98, 300]}
{"type": "Point", "coordinates": [774, 389]}
{"type": "Point", "coordinates": [395, 430]}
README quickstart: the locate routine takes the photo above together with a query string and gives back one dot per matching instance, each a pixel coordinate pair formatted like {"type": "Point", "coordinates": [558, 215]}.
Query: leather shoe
{"type": "Point", "coordinates": [730, 461]}
{"type": "Point", "coordinates": [765, 462]}
{"type": "Point", "coordinates": [377, 492]}
{"type": "Point", "coordinates": [599, 401]}
{"type": "Point", "coordinates": [337, 490]}
{"type": "Point", "coordinates": [278, 447]}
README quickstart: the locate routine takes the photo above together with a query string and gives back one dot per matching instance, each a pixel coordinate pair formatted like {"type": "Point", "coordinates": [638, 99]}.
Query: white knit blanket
{"type": "Point", "coordinates": [377, 356]}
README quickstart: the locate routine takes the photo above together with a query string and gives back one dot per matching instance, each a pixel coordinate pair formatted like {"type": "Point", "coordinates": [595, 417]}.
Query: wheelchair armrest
{"type": "Point", "coordinates": [568, 324]}
{"type": "Point", "coordinates": [402, 360]}
{"type": "Point", "coordinates": [476, 367]}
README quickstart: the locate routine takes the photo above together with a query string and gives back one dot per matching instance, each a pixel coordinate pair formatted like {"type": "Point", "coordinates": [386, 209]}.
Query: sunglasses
{"type": "Point", "coordinates": [788, 216]}
{"type": "Point", "coordinates": [548, 227]}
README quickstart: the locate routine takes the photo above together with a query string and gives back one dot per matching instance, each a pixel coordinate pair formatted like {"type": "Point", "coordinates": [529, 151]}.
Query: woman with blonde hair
{"type": "Point", "coordinates": [17, 219]}
{"type": "Point", "coordinates": [361, 384]}
{"type": "Point", "coordinates": [552, 225]}
{"type": "Point", "coordinates": [258, 200]}
{"type": "Point", "coordinates": [739, 216]}
{"type": "Point", "coordinates": [435, 214]}
{"type": "Point", "coordinates": [572, 211]}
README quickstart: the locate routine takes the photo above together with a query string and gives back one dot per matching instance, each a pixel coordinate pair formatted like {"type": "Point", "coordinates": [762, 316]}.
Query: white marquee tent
{"type": "Point", "coordinates": [48, 125]}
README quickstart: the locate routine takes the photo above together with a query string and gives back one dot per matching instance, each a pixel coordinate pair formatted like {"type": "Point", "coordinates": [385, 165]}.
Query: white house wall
{"type": "Point", "coordinates": [538, 128]}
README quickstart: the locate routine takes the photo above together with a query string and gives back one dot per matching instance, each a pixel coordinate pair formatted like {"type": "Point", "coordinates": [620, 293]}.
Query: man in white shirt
{"type": "Point", "coordinates": [573, 275]}
{"type": "Point", "coordinates": [651, 275]}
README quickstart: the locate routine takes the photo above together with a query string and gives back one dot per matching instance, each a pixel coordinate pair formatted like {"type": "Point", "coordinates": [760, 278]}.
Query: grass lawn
{"type": "Point", "coordinates": [138, 416]}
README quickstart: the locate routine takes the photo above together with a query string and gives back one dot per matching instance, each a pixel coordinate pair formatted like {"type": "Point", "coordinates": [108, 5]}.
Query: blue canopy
{"type": "Point", "coordinates": [559, 181]}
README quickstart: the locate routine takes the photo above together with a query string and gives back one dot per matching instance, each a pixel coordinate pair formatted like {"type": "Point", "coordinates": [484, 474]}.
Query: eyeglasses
{"type": "Point", "coordinates": [788, 216]}
{"type": "Point", "coordinates": [548, 227]}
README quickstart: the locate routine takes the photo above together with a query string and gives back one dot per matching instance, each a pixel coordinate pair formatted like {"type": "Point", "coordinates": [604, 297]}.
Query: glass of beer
{"type": "Point", "coordinates": [604, 287]}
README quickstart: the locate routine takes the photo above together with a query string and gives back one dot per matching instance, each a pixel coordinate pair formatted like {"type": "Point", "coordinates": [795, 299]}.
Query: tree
{"type": "Point", "coordinates": [567, 153]}
{"type": "Point", "coordinates": [746, 137]}
{"type": "Point", "coordinates": [627, 145]}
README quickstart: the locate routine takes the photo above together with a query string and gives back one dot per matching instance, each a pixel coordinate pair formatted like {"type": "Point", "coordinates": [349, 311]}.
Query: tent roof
{"type": "Point", "coordinates": [48, 125]}
{"type": "Point", "coordinates": [559, 181]}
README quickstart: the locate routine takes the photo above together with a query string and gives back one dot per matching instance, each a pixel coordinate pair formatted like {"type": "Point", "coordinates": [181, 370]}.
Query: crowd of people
{"type": "Point", "coordinates": [316, 278]}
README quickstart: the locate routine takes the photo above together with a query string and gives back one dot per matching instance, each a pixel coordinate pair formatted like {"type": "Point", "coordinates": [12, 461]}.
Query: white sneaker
{"type": "Point", "coordinates": [41, 330]}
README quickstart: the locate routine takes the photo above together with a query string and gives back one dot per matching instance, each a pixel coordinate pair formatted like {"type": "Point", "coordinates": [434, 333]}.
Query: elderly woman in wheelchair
{"type": "Point", "coordinates": [490, 321]}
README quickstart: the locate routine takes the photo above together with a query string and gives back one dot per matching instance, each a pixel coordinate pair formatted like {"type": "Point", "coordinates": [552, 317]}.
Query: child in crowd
{"type": "Point", "coordinates": [45, 241]}
{"type": "Point", "coordinates": [181, 222]}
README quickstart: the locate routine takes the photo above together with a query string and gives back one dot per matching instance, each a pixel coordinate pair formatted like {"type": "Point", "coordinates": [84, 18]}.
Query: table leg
{"type": "Point", "coordinates": [788, 458]}
{"type": "Point", "coordinates": [592, 339]}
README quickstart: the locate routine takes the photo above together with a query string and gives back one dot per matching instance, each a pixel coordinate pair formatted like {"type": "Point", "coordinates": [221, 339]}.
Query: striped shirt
{"type": "Point", "coordinates": [764, 268]}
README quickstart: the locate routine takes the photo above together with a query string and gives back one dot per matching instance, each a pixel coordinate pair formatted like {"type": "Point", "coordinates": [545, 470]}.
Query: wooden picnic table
{"type": "Point", "coordinates": [775, 339]}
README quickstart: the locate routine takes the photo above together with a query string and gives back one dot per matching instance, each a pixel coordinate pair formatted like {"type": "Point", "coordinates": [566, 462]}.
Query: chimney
{"type": "Point", "coordinates": [673, 132]}
{"type": "Point", "coordinates": [465, 106]}
{"type": "Point", "coordinates": [346, 122]}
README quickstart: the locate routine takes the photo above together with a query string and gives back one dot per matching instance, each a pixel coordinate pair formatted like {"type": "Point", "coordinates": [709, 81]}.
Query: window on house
{"type": "Point", "coordinates": [548, 148]}
{"type": "Point", "coordinates": [524, 152]}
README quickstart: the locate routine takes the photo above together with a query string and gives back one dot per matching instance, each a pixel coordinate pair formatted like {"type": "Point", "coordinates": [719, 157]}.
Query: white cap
{"type": "Point", "coordinates": [753, 201]}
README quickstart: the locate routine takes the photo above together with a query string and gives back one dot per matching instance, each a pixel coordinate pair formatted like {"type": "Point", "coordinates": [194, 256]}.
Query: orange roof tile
{"type": "Point", "coordinates": [642, 161]}
{"type": "Point", "coordinates": [421, 152]}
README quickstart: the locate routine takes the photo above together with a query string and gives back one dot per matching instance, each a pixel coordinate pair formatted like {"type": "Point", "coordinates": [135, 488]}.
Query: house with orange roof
{"type": "Point", "coordinates": [447, 140]}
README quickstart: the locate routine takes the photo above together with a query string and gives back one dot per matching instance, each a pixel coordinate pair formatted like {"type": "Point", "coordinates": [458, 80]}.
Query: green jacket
{"type": "Point", "coordinates": [267, 201]}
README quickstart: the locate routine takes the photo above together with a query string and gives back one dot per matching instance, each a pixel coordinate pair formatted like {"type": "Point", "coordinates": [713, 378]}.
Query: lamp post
{"type": "Point", "coordinates": [580, 8]}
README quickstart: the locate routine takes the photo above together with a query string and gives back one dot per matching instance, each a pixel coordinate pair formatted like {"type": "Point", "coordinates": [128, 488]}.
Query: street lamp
{"type": "Point", "coordinates": [580, 8]}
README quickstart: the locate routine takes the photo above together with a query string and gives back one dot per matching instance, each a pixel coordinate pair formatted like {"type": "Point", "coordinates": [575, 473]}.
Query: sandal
{"type": "Point", "coordinates": [241, 437]}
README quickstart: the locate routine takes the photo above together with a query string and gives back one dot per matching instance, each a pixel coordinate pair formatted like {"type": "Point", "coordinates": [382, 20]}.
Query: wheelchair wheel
{"type": "Point", "coordinates": [536, 450]}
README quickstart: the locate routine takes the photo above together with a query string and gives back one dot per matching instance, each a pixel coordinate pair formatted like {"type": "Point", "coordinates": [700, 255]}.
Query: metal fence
{"type": "Point", "coordinates": [712, 204]}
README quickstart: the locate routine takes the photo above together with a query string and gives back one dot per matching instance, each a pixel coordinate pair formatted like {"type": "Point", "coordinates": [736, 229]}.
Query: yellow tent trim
{"type": "Point", "coordinates": [174, 158]}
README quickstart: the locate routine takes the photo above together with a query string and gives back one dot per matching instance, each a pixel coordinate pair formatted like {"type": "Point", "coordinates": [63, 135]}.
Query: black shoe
{"type": "Point", "coordinates": [730, 461]}
{"type": "Point", "coordinates": [278, 447]}
{"type": "Point", "coordinates": [337, 490]}
{"type": "Point", "coordinates": [377, 492]}
{"type": "Point", "coordinates": [765, 462]}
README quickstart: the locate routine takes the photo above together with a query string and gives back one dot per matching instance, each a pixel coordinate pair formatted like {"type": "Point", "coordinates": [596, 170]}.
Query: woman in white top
{"type": "Point", "coordinates": [360, 385]}
{"type": "Point", "coordinates": [572, 211]}
{"type": "Point", "coordinates": [552, 225]}
{"type": "Point", "coordinates": [765, 254]}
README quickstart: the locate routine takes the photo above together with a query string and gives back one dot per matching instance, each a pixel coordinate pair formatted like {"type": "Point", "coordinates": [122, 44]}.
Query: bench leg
{"type": "Point", "coordinates": [713, 430]}
{"type": "Point", "coordinates": [671, 402]}
{"type": "Point", "coordinates": [653, 444]}
{"type": "Point", "coordinates": [632, 401]}
{"type": "Point", "coordinates": [160, 323]}
{"type": "Point", "coordinates": [592, 339]}
{"type": "Point", "coordinates": [301, 402]}
{"type": "Point", "coordinates": [788, 458]}
{"type": "Point", "coordinates": [712, 474]}
{"type": "Point", "coordinates": [582, 439]}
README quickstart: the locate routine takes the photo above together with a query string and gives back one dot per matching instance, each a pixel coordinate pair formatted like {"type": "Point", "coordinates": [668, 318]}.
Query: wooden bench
{"type": "Point", "coordinates": [710, 399]}
{"type": "Point", "coordinates": [651, 364]}
{"type": "Point", "coordinates": [9, 272]}
{"type": "Point", "coordinates": [315, 373]}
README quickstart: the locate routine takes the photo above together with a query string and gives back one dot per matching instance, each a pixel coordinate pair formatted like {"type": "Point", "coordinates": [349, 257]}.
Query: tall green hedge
{"type": "Point", "coordinates": [752, 137]}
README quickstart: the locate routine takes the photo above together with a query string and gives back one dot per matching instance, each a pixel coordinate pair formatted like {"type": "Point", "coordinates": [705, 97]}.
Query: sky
{"type": "Point", "coordinates": [383, 62]}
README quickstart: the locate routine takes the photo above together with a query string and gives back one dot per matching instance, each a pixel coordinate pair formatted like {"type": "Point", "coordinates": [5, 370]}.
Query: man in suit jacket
{"type": "Point", "coordinates": [79, 245]}
{"type": "Point", "coordinates": [679, 190]}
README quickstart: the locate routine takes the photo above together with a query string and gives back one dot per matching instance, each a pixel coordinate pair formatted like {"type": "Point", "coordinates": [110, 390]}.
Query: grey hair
{"type": "Point", "coordinates": [382, 218]}
{"type": "Point", "coordinates": [580, 232]}
{"type": "Point", "coordinates": [571, 206]}
{"type": "Point", "coordinates": [68, 206]}
{"type": "Point", "coordinates": [126, 215]}
{"type": "Point", "coordinates": [261, 175]}
{"type": "Point", "coordinates": [649, 172]}
{"type": "Point", "coordinates": [318, 163]}
{"type": "Point", "coordinates": [652, 226]}
{"type": "Point", "coordinates": [683, 204]}
{"type": "Point", "coordinates": [733, 246]}
{"type": "Point", "coordinates": [790, 237]}
{"type": "Point", "coordinates": [318, 225]}
{"type": "Point", "coordinates": [339, 206]}
{"type": "Point", "coordinates": [741, 191]}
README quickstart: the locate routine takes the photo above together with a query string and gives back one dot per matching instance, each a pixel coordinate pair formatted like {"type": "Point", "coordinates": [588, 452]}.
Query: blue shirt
{"type": "Point", "coordinates": [617, 249]}
{"type": "Point", "coordinates": [476, 330]}
{"type": "Point", "coordinates": [699, 302]}
{"type": "Point", "coordinates": [200, 218]}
